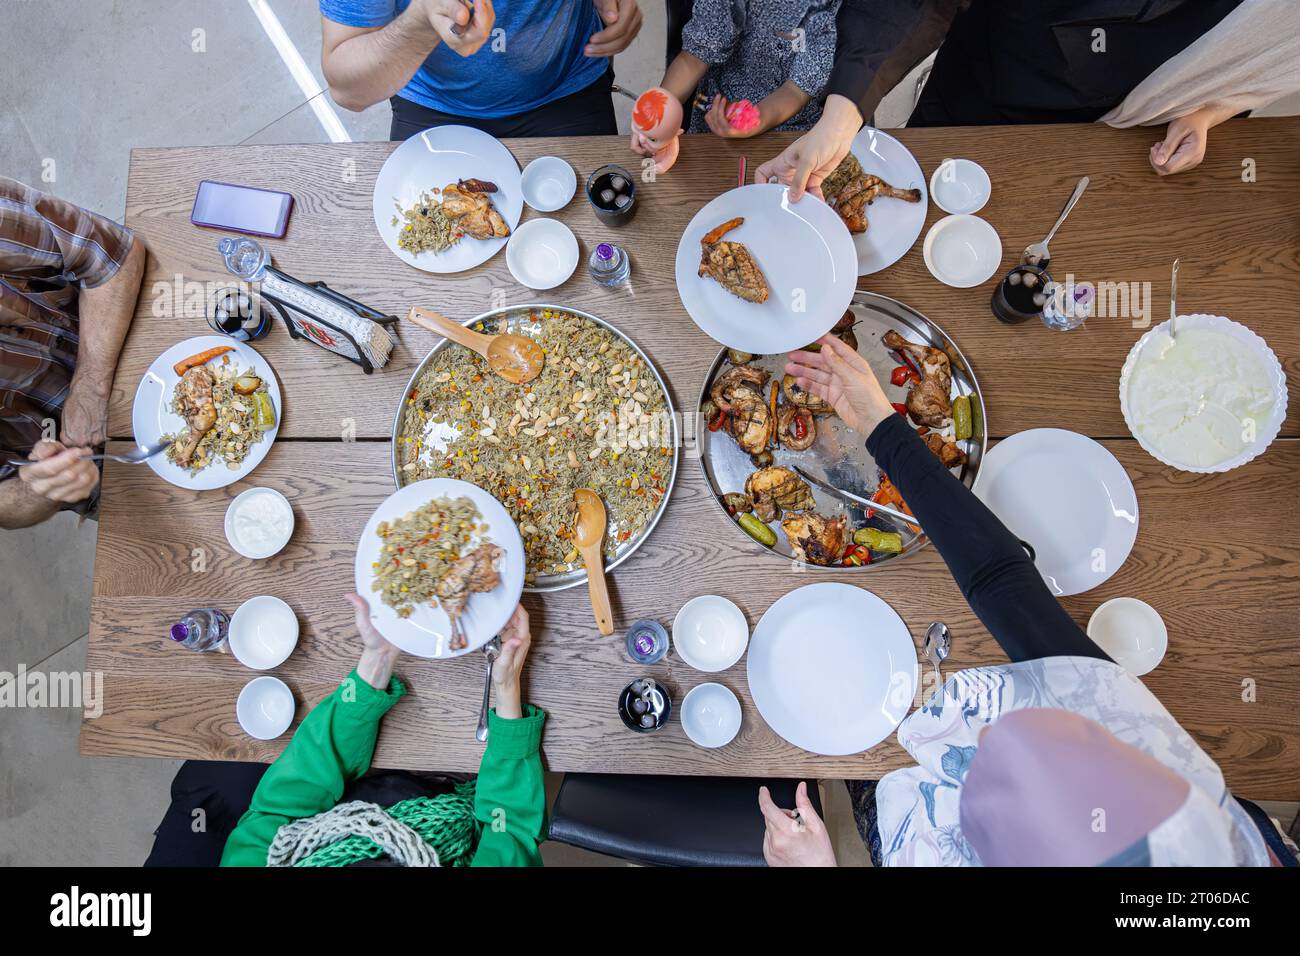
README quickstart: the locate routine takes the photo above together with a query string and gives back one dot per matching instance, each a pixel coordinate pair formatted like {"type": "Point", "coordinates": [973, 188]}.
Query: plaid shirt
{"type": "Point", "coordinates": [49, 251]}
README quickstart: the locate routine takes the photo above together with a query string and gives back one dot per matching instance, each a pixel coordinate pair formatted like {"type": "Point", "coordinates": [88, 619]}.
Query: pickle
{"type": "Point", "coordinates": [757, 530]}
{"type": "Point", "coordinates": [878, 540]}
{"type": "Point", "coordinates": [961, 418]}
{"type": "Point", "coordinates": [264, 411]}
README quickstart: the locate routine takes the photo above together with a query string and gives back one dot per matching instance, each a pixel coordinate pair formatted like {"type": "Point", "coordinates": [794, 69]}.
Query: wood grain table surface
{"type": "Point", "coordinates": [1217, 555]}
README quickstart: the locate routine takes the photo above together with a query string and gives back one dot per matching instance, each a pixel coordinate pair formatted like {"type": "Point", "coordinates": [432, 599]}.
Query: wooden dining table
{"type": "Point", "coordinates": [1217, 555]}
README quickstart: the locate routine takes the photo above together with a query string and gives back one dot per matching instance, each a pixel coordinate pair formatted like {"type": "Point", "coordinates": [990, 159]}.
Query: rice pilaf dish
{"type": "Point", "coordinates": [595, 418]}
{"type": "Point", "coordinates": [425, 227]}
{"type": "Point", "coordinates": [419, 548]}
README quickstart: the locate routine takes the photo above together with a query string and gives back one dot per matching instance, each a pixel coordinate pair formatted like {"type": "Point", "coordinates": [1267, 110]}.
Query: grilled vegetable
{"type": "Point", "coordinates": [903, 375]}
{"type": "Point", "coordinates": [735, 503]}
{"type": "Point", "coordinates": [201, 358]}
{"type": "Point", "coordinates": [757, 530]}
{"type": "Point", "coordinates": [246, 384]}
{"type": "Point", "coordinates": [264, 411]}
{"type": "Point", "coordinates": [878, 540]}
{"type": "Point", "coordinates": [962, 423]}
{"type": "Point", "coordinates": [738, 357]}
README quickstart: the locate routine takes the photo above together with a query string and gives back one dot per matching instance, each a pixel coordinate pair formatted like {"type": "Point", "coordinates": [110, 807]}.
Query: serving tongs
{"type": "Point", "coordinates": [857, 499]}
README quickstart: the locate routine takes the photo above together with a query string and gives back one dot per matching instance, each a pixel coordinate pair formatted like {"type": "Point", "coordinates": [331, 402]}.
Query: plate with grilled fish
{"type": "Point", "coordinates": [774, 454]}
{"type": "Point", "coordinates": [879, 191]}
{"type": "Point", "coordinates": [759, 273]}
{"type": "Point", "coordinates": [448, 199]}
{"type": "Point", "coordinates": [218, 401]}
{"type": "Point", "coordinates": [442, 564]}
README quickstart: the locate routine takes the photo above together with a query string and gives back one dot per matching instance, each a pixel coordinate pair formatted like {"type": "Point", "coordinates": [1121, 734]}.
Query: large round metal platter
{"type": "Point", "coordinates": [839, 455]}
{"type": "Point", "coordinates": [525, 320]}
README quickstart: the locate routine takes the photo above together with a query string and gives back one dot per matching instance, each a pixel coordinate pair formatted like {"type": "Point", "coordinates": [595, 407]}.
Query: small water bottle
{"type": "Point", "coordinates": [244, 258]}
{"type": "Point", "coordinates": [202, 630]}
{"type": "Point", "coordinates": [609, 265]}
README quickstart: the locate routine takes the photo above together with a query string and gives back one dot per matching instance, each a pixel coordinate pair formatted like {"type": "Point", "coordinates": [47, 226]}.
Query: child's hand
{"type": "Point", "coordinates": [641, 145]}
{"type": "Point", "coordinates": [718, 122]}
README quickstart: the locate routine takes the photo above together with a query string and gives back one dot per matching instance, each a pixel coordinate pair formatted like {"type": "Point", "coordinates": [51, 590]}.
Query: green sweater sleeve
{"type": "Point", "coordinates": [509, 798]}
{"type": "Point", "coordinates": [332, 747]}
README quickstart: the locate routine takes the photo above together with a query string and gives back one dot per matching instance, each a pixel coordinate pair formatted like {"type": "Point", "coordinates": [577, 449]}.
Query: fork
{"type": "Point", "coordinates": [131, 458]}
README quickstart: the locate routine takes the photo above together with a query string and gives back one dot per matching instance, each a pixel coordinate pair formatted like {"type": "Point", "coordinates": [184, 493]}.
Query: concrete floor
{"type": "Point", "coordinates": [81, 83]}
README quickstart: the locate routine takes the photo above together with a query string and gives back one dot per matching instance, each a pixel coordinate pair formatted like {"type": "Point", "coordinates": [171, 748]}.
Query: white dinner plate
{"type": "Point", "coordinates": [151, 418]}
{"type": "Point", "coordinates": [805, 252]}
{"type": "Point", "coordinates": [1069, 498]}
{"type": "Point", "coordinates": [434, 159]}
{"type": "Point", "coordinates": [427, 631]}
{"type": "Point", "coordinates": [892, 224]}
{"type": "Point", "coordinates": [832, 668]}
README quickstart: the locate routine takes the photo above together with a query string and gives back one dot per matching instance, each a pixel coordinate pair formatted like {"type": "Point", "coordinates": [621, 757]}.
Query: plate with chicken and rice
{"type": "Point", "coordinates": [758, 428]}
{"type": "Point", "coordinates": [448, 199]}
{"type": "Point", "coordinates": [442, 565]}
{"type": "Point", "coordinates": [218, 400]}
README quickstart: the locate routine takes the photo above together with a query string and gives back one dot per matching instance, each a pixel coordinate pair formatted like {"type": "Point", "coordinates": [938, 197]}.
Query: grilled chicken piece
{"type": "Point", "coordinates": [948, 453]}
{"type": "Point", "coordinates": [778, 489]}
{"type": "Point", "coordinates": [477, 185]}
{"type": "Point", "coordinates": [803, 398]}
{"type": "Point", "coordinates": [730, 265]}
{"type": "Point", "coordinates": [861, 191]}
{"type": "Point", "coordinates": [929, 402]}
{"type": "Point", "coordinates": [814, 538]}
{"type": "Point", "coordinates": [474, 573]}
{"type": "Point", "coordinates": [194, 402]}
{"type": "Point", "coordinates": [796, 428]}
{"type": "Point", "coordinates": [751, 423]}
{"type": "Point", "coordinates": [742, 381]}
{"type": "Point", "coordinates": [473, 212]}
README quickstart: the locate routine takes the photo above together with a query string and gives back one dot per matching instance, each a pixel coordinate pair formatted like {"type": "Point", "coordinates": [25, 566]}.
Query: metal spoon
{"type": "Point", "coordinates": [130, 458]}
{"type": "Point", "coordinates": [1037, 253]}
{"type": "Point", "coordinates": [490, 650]}
{"type": "Point", "coordinates": [937, 643]}
{"type": "Point", "coordinates": [1173, 296]}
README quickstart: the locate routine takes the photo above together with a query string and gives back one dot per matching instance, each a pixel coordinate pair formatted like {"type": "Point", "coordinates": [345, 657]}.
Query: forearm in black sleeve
{"type": "Point", "coordinates": [999, 580]}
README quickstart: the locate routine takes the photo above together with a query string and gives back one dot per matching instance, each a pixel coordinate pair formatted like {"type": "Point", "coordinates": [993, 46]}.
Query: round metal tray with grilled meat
{"type": "Point", "coordinates": [839, 455]}
{"type": "Point", "coordinates": [521, 319]}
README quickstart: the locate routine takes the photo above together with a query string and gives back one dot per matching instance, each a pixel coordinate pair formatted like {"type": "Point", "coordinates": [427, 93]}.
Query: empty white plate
{"type": "Point", "coordinates": [1069, 498]}
{"type": "Point", "coordinates": [265, 707]}
{"type": "Point", "coordinates": [542, 253]}
{"type": "Point", "coordinates": [1131, 632]}
{"type": "Point", "coordinates": [832, 668]}
{"type": "Point", "coordinates": [710, 633]}
{"type": "Point", "coordinates": [549, 183]}
{"type": "Point", "coordinates": [263, 632]}
{"type": "Point", "coordinates": [962, 251]}
{"type": "Point", "coordinates": [711, 715]}
{"type": "Point", "coordinates": [960, 186]}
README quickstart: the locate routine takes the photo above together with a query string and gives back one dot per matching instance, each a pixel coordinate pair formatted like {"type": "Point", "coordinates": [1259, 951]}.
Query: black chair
{"type": "Point", "coordinates": [669, 821]}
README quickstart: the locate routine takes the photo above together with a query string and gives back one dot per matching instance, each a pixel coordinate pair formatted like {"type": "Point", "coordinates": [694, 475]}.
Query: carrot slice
{"type": "Point", "coordinates": [184, 365]}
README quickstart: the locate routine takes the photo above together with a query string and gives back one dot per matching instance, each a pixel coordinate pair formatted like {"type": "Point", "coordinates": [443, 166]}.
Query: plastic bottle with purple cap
{"type": "Point", "coordinates": [203, 629]}
{"type": "Point", "coordinates": [609, 265]}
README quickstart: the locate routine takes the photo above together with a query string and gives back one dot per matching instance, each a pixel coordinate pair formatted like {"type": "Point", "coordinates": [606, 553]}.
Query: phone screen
{"type": "Point", "coordinates": [259, 212]}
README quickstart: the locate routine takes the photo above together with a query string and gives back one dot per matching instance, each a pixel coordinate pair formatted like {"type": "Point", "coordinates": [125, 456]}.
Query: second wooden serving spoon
{"type": "Point", "coordinates": [589, 535]}
{"type": "Point", "coordinates": [516, 358]}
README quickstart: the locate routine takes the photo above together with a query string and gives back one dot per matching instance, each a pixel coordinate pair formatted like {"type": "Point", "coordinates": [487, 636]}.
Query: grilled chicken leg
{"type": "Point", "coordinates": [475, 572]}
{"type": "Point", "coordinates": [730, 265]}
{"type": "Point", "coordinates": [194, 402]}
{"type": "Point", "coordinates": [860, 192]}
{"type": "Point", "coordinates": [929, 402]}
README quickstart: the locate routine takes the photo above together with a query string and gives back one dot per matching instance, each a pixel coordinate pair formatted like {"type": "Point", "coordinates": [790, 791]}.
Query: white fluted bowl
{"type": "Point", "coordinates": [1268, 426]}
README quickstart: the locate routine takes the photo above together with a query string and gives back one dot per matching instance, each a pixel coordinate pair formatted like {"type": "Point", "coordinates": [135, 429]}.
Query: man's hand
{"type": "Point", "coordinates": [839, 375]}
{"type": "Point", "coordinates": [377, 655]}
{"type": "Point", "coordinates": [814, 155]}
{"type": "Point", "coordinates": [1185, 140]}
{"type": "Point", "coordinates": [475, 29]}
{"type": "Point", "coordinates": [84, 419]}
{"type": "Point", "coordinates": [59, 474]}
{"type": "Point", "coordinates": [622, 19]}
{"type": "Point", "coordinates": [794, 837]}
{"type": "Point", "coordinates": [516, 638]}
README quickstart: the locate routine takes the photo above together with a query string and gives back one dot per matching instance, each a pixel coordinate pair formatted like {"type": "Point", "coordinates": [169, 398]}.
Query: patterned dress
{"type": "Point", "coordinates": [754, 46]}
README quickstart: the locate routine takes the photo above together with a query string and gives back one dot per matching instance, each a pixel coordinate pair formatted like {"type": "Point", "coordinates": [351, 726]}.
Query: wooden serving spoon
{"type": "Point", "coordinates": [589, 535]}
{"type": "Point", "coordinates": [516, 358]}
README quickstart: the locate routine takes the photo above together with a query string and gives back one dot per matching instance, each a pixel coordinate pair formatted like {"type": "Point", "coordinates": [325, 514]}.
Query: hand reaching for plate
{"type": "Point", "coordinates": [794, 837]}
{"type": "Point", "coordinates": [839, 375]}
{"type": "Point", "coordinates": [377, 655]}
{"type": "Point", "coordinates": [516, 637]}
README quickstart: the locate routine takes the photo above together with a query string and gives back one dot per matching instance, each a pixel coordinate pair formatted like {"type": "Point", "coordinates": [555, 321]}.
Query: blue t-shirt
{"type": "Point", "coordinates": [537, 59]}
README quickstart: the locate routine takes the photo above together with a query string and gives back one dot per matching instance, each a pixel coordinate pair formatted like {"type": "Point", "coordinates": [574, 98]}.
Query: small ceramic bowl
{"type": "Point", "coordinates": [960, 186]}
{"type": "Point", "coordinates": [549, 183]}
{"type": "Point", "coordinates": [265, 707]}
{"type": "Point", "coordinates": [636, 703]}
{"type": "Point", "coordinates": [711, 715]}
{"type": "Point", "coordinates": [710, 633]}
{"type": "Point", "coordinates": [1131, 632]}
{"type": "Point", "coordinates": [265, 501]}
{"type": "Point", "coordinates": [962, 251]}
{"type": "Point", "coordinates": [542, 253]}
{"type": "Point", "coordinates": [263, 632]}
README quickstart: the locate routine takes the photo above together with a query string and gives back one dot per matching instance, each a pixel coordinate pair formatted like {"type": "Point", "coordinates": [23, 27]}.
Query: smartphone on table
{"type": "Point", "coordinates": [246, 209]}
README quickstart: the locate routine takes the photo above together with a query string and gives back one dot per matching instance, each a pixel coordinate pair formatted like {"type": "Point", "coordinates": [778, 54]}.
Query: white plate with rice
{"type": "Point", "coordinates": [152, 416]}
{"type": "Point", "coordinates": [432, 160]}
{"type": "Point", "coordinates": [426, 630]}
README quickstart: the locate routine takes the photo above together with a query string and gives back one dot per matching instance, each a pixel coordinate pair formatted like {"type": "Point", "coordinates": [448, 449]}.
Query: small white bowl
{"type": "Point", "coordinates": [263, 633]}
{"type": "Point", "coordinates": [549, 183]}
{"type": "Point", "coordinates": [241, 501]}
{"type": "Point", "coordinates": [542, 253]}
{"type": "Point", "coordinates": [960, 186]}
{"type": "Point", "coordinates": [711, 715]}
{"type": "Point", "coordinates": [962, 251]}
{"type": "Point", "coordinates": [265, 707]}
{"type": "Point", "coordinates": [710, 633]}
{"type": "Point", "coordinates": [1131, 632]}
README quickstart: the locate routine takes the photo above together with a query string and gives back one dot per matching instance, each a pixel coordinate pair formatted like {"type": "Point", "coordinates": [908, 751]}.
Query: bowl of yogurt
{"type": "Point", "coordinates": [1208, 399]}
{"type": "Point", "coordinates": [259, 523]}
